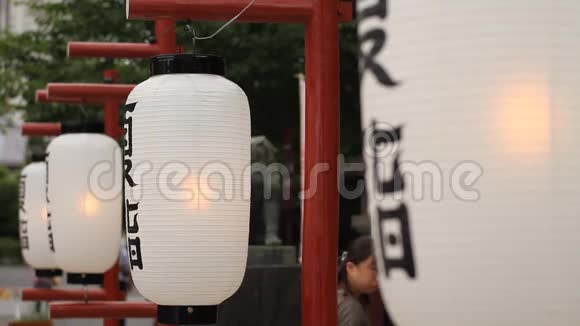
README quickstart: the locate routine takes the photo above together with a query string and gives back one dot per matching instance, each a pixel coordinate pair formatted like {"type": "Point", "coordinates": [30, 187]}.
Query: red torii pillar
{"type": "Point", "coordinates": [165, 44]}
{"type": "Point", "coordinates": [320, 230]}
{"type": "Point", "coordinates": [110, 95]}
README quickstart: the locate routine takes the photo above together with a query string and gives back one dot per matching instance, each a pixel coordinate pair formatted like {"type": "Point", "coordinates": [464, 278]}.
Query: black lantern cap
{"type": "Point", "coordinates": [187, 64]}
{"type": "Point", "coordinates": [85, 279]}
{"type": "Point", "coordinates": [47, 272]}
{"type": "Point", "coordinates": [37, 157]}
{"type": "Point", "coordinates": [187, 315]}
{"type": "Point", "coordinates": [68, 127]}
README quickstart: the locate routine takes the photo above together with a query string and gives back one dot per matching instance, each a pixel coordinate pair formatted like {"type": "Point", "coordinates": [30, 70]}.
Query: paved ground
{"type": "Point", "coordinates": [13, 278]}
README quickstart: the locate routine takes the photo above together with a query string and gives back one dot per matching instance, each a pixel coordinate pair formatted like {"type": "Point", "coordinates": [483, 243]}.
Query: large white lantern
{"type": "Point", "coordinates": [33, 220]}
{"type": "Point", "coordinates": [476, 106]}
{"type": "Point", "coordinates": [187, 186]}
{"type": "Point", "coordinates": [85, 203]}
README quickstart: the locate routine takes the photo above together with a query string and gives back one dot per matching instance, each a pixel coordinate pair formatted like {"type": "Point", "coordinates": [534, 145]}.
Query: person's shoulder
{"type": "Point", "coordinates": [350, 311]}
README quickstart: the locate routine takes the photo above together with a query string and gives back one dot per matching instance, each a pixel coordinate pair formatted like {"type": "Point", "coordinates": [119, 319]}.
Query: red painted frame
{"type": "Point", "coordinates": [320, 229]}
{"type": "Point", "coordinates": [165, 43]}
{"type": "Point", "coordinates": [42, 97]}
{"type": "Point", "coordinates": [61, 294]}
{"type": "Point", "coordinates": [41, 129]}
{"type": "Point", "coordinates": [88, 90]}
{"type": "Point", "coordinates": [262, 11]}
{"type": "Point", "coordinates": [111, 96]}
{"type": "Point", "coordinates": [114, 310]}
{"type": "Point", "coordinates": [320, 235]}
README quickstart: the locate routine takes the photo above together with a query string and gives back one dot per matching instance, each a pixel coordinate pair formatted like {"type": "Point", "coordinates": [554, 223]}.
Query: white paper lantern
{"type": "Point", "coordinates": [479, 102]}
{"type": "Point", "coordinates": [33, 220]}
{"type": "Point", "coordinates": [187, 156]}
{"type": "Point", "coordinates": [85, 219]}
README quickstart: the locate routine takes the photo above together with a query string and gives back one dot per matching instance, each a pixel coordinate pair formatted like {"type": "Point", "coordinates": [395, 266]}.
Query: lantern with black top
{"type": "Point", "coordinates": [84, 210]}
{"type": "Point", "coordinates": [32, 219]}
{"type": "Point", "coordinates": [187, 186]}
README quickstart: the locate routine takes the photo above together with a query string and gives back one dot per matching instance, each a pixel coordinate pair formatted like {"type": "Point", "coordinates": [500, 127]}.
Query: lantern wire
{"type": "Point", "coordinates": [86, 293]}
{"type": "Point", "coordinates": [84, 114]}
{"type": "Point", "coordinates": [195, 37]}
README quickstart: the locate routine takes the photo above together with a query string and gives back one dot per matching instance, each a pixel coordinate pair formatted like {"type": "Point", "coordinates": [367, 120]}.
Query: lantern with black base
{"type": "Point", "coordinates": [187, 157]}
{"type": "Point", "coordinates": [32, 219]}
{"type": "Point", "coordinates": [84, 225]}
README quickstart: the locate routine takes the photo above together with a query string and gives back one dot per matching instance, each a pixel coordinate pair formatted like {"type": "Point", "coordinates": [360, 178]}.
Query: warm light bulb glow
{"type": "Point", "coordinates": [523, 116]}
{"type": "Point", "coordinates": [90, 205]}
{"type": "Point", "coordinates": [199, 194]}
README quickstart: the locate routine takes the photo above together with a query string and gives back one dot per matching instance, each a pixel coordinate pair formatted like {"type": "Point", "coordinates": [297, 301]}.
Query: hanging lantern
{"type": "Point", "coordinates": [187, 186]}
{"type": "Point", "coordinates": [34, 240]}
{"type": "Point", "coordinates": [84, 210]}
{"type": "Point", "coordinates": [471, 112]}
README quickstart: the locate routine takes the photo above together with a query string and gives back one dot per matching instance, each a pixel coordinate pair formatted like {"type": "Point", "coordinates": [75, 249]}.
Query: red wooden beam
{"type": "Point", "coordinates": [165, 43]}
{"type": "Point", "coordinates": [42, 97]}
{"type": "Point", "coordinates": [115, 310]}
{"type": "Point", "coordinates": [59, 295]}
{"type": "Point", "coordinates": [30, 323]}
{"type": "Point", "coordinates": [41, 129]}
{"type": "Point", "coordinates": [271, 11]}
{"type": "Point", "coordinates": [111, 50]}
{"type": "Point", "coordinates": [81, 90]}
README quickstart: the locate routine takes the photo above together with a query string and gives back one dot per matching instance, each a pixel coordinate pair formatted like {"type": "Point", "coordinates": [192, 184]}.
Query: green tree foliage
{"type": "Point", "coordinates": [8, 202]}
{"type": "Point", "coordinates": [262, 58]}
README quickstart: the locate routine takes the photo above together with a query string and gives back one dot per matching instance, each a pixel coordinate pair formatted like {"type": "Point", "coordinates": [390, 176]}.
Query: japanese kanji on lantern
{"type": "Point", "coordinates": [187, 182]}
{"type": "Point", "coordinates": [34, 241]}
{"type": "Point", "coordinates": [471, 118]}
{"type": "Point", "coordinates": [84, 209]}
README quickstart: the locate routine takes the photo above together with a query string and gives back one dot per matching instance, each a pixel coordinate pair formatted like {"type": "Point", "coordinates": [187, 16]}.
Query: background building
{"type": "Point", "coordinates": [15, 18]}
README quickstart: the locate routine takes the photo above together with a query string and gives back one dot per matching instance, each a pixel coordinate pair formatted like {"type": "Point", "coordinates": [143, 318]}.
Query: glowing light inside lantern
{"type": "Point", "coordinates": [90, 205]}
{"type": "Point", "coordinates": [199, 194]}
{"type": "Point", "coordinates": [524, 117]}
{"type": "Point", "coordinates": [44, 214]}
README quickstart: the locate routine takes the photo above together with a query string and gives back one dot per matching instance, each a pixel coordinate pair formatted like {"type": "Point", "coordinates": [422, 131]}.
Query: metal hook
{"type": "Point", "coordinates": [195, 37]}
{"type": "Point", "coordinates": [192, 31]}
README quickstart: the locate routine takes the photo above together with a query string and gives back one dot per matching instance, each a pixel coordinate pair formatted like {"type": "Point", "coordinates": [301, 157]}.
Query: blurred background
{"type": "Point", "coordinates": [264, 59]}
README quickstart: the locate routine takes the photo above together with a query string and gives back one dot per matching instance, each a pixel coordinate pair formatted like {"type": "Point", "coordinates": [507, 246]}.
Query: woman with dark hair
{"type": "Point", "coordinates": [357, 278]}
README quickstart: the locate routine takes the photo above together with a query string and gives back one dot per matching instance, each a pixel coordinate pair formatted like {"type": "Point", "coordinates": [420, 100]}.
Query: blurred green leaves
{"type": "Point", "coordinates": [262, 58]}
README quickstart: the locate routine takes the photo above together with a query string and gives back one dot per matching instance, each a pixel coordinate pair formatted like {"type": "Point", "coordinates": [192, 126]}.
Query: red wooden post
{"type": "Point", "coordinates": [110, 95]}
{"type": "Point", "coordinates": [165, 36]}
{"type": "Point", "coordinates": [111, 122]}
{"type": "Point", "coordinates": [111, 110]}
{"type": "Point", "coordinates": [320, 230]}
